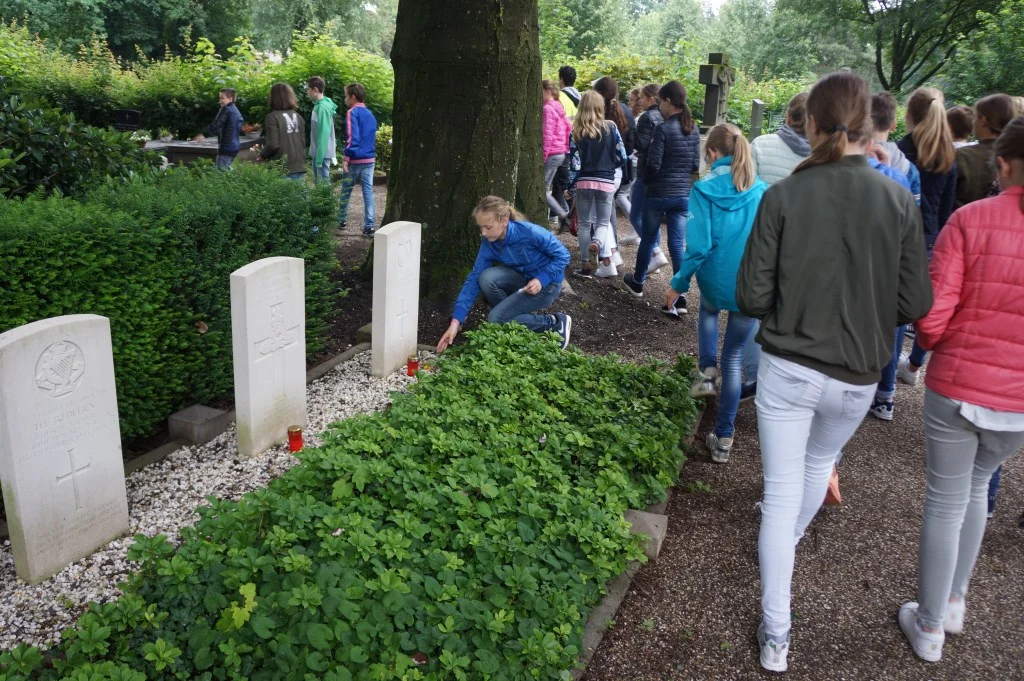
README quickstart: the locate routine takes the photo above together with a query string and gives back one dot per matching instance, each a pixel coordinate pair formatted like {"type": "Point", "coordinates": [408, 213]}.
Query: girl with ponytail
{"type": "Point", "coordinates": [834, 262]}
{"type": "Point", "coordinates": [722, 206]}
{"type": "Point", "coordinates": [975, 163]}
{"type": "Point", "coordinates": [974, 397]}
{"type": "Point", "coordinates": [929, 146]}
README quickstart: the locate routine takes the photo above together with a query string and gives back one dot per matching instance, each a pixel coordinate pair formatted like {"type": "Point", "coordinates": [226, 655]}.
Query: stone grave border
{"type": "Point", "coordinates": [593, 633]}
{"type": "Point", "coordinates": [652, 522]}
{"type": "Point", "coordinates": [220, 421]}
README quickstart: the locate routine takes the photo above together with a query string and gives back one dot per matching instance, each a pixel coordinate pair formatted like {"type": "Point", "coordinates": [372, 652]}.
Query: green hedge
{"type": "Point", "coordinates": [180, 94]}
{"type": "Point", "coordinates": [466, 533]}
{"type": "Point", "coordinates": [155, 258]}
{"type": "Point", "coordinates": [44, 150]}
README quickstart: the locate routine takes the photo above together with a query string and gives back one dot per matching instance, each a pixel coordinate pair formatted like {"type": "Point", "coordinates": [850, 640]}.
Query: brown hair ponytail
{"type": "Point", "coordinates": [840, 104]}
{"type": "Point", "coordinates": [674, 92]}
{"type": "Point", "coordinates": [728, 140]}
{"type": "Point", "coordinates": [1010, 145]}
{"type": "Point", "coordinates": [609, 89]}
{"type": "Point", "coordinates": [926, 111]}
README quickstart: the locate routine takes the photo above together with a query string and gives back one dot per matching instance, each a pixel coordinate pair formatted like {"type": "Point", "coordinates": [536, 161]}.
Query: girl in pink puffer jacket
{"type": "Point", "coordinates": [974, 404]}
{"type": "Point", "coordinates": [556, 142]}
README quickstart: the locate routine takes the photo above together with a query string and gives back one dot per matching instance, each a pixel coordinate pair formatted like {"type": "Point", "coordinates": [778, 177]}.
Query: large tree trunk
{"type": "Point", "coordinates": [467, 121]}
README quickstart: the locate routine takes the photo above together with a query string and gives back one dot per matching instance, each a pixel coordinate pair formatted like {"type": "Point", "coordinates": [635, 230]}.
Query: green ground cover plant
{"type": "Point", "coordinates": [465, 533]}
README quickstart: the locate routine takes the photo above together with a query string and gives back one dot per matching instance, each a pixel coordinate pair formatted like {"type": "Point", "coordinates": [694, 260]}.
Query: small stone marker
{"type": "Point", "coordinates": [756, 119]}
{"type": "Point", "coordinates": [396, 295]}
{"type": "Point", "coordinates": [268, 339]}
{"type": "Point", "coordinates": [651, 525]}
{"type": "Point", "coordinates": [60, 443]}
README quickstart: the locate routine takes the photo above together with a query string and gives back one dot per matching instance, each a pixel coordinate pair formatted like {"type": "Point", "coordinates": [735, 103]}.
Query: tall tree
{"type": "Point", "coordinates": [595, 24]}
{"type": "Point", "coordinates": [991, 61]}
{"type": "Point", "coordinates": [467, 124]}
{"type": "Point", "coordinates": [912, 39]}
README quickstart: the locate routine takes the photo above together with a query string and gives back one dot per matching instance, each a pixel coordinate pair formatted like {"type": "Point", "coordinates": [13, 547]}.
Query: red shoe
{"type": "Point", "coordinates": [832, 496]}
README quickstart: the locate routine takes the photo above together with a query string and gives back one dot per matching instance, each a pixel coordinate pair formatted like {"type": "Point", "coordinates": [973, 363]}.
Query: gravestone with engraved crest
{"type": "Point", "coordinates": [60, 443]}
{"type": "Point", "coordinates": [268, 339]}
{"type": "Point", "coordinates": [396, 295]}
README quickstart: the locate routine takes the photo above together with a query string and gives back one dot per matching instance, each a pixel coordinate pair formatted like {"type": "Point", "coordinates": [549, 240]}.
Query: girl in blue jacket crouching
{"type": "Point", "coordinates": [723, 206]}
{"type": "Point", "coordinates": [519, 269]}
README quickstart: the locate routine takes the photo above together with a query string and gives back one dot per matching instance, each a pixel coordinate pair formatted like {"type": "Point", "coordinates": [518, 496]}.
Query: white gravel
{"type": "Point", "coordinates": [162, 498]}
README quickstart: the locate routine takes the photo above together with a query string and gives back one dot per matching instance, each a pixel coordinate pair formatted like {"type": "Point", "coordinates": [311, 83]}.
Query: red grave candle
{"type": "Point", "coordinates": [295, 438]}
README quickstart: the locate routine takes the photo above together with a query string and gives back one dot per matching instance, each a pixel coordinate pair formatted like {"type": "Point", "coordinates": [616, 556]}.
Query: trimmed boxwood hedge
{"type": "Point", "coordinates": [155, 257]}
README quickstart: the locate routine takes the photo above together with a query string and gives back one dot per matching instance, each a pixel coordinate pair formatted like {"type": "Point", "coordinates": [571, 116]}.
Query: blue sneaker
{"type": "Point", "coordinates": [882, 409]}
{"type": "Point", "coordinates": [563, 327]}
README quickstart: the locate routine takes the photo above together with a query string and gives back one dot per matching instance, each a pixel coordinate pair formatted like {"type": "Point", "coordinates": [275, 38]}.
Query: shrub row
{"type": "Point", "coordinates": [155, 257]}
{"type": "Point", "coordinates": [179, 95]}
{"type": "Point", "coordinates": [465, 533]}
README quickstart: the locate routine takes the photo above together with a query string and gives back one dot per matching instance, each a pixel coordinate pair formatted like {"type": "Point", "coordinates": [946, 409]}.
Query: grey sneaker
{"type": "Point", "coordinates": [773, 653]}
{"type": "Point", "coordinates": [563, 327]}
{"type": "Point", "coordinates": [719, 448]}
{"type": "Point", "coordinates": [704, 384]}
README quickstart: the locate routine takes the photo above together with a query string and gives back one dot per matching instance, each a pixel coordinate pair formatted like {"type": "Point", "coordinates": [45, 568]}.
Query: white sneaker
{"type": "Point", "coordinates": [616, 259]}
{"type": "Point", "coordinates": [773, 653]}
{"type": "Point", "coordinates": [704, 384]}
{"type": "Point", "coordinates": [631, 240]}
{"type": "Point", "coordinates": [658, 260]}
{"type": "Point", "coordinates": [926, 645]}
{"type": "Point", "coordinates": [605, 271]}
{"type": "Point", "coordinates": [954, 621]}
{"type": "Point", "coordinates": [903, 371]}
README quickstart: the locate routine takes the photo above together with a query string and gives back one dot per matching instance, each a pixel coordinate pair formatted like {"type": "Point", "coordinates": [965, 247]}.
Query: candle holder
{"type": "Point", "coordinates": [294, 438]}
{"type": "Point", "coordinates": [412, 365]}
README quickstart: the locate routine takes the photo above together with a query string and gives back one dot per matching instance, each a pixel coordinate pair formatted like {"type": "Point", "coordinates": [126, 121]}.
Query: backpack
{"type": "Point", "coordinates": [573, 98]}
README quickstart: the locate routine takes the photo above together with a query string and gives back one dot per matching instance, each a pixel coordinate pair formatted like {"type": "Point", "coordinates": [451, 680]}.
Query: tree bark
{"type": "Point", "coordinates": [467, 121]}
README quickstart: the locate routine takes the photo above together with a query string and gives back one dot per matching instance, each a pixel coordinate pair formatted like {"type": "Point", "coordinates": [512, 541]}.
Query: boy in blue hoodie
{"type": "Point", "coordinates": [322, 144]}
{"type": "Point", "coordinates": [360, 155]}
{"type": "Point", "coordinates": [723, 205]}
{"type": "Point", "coordinates": [226, 127]}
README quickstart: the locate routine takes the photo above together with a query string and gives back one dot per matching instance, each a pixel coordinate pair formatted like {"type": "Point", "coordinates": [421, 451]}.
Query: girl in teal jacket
{"type": "Point", "coordinates": [723, 205]}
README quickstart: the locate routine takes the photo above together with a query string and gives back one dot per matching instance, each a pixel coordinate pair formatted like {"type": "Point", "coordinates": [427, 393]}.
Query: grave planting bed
{"type": "Point", "coordinates": [466, 532]}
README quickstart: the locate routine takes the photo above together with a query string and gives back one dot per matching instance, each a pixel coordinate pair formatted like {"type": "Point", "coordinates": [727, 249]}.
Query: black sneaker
{"type": "Point", "coordinates": [628, 283]}
{"type": "Point", "coordinates": [585, 272]}
{"type": "Point", "coordinates": [681, 305]}
{"type": "Point", "coordinates": [342, 226]}
{"type": "Point", "coordinates": [670, 311]}
{"type": "Point", "coordinates": [748, 391]}
{"type": "Point", "coordinates": [563, 327]}
{"type": "Point", "coordinates": [368, 233]}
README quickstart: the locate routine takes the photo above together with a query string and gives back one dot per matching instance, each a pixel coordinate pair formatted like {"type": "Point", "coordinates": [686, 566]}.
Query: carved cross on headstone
{"type": "Point", "coordinates": [717, 76]}
{"type": "Point", "coordinates": [73, 477]}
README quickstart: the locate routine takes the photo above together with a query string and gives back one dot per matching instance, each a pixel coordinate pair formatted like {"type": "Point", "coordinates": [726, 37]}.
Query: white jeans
{"type": "Point", "coordinates": [804, 418]}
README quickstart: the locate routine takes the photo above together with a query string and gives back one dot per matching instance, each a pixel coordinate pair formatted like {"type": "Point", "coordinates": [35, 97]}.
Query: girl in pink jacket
{"type": "Point", "coordinates": [556, 142]}
{"type": "Point", "coordinates": [974, 403]}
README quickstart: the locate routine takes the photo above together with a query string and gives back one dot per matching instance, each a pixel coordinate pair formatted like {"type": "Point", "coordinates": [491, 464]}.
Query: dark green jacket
{"type": "Point", "coordinates": [285, 137]}
{"type": "Point", "coordinates": [835, 261]}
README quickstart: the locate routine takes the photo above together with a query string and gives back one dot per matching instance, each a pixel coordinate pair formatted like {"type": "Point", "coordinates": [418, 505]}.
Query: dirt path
{"type": "Point", "coordinates": [693, 612]}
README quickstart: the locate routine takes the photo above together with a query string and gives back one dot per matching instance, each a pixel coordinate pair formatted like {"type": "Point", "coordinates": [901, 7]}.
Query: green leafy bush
{"type": "Point", "coordinates": [464, 534]}
{"type": "Point", "coordinates": [385, 138]}
{"type": "Point", "coordinates": [44, 150]}
{"type": "Point", "coordinates": [155, 258]}
{"type": "Point", "coordinates": [180, 93]}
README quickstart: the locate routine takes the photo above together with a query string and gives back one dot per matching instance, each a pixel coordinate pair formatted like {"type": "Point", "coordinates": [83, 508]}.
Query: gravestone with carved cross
{"type": "Point", "coordinates": [268, 340]}
{"type": "Point", "coordinates": [60, 443]}
{"type": "Point", "coordinates": [396, 295]}
{"type": "Point", "coordinates": [717, 77]}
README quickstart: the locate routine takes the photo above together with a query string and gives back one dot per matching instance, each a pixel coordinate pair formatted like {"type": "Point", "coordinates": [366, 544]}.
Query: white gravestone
{"type": "Point", "coordinates": [60, 443]}
{"type": "Point", "coordinates": [396, 295]}
{"type": "Point", "coordinates": [268, 339]}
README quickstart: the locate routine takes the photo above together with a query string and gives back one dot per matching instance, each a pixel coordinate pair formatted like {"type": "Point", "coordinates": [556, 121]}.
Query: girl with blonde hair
{"type": "Point", "coordinates": [596, 151]}
{"type": "Point", "coordinates": [723, 205]}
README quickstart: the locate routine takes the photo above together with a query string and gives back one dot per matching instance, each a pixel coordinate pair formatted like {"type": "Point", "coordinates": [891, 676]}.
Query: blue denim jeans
{"type": "Point", "coordinates": [297, 176]}
{"type": "Point", "coordinates": [917, 355]}
{"type": "Point", "coordinates": [751, 356]}
{"type": "Point", "coordinates": [224, 161]}
{"type": "Point", "coordinates": [993, 489]}
{"type": "Point", "coordinates": [637, 194]}
{"type": "Point", "coordinates": [323, 173]}
{"type": "Point", "coordinates": [673, 209]}
{"type": "Point", "coordinates": [738, 330]}
{"type": "Point", "coordinates": [363, 174]}
{"type": "Point", "coordinates": [887, 386]}
{"type": "Point", "coordinates": [500, 287]}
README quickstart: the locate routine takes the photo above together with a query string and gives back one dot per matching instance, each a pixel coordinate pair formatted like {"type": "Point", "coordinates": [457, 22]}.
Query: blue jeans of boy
{"type": "Point", "coordinates": [323, 173]}
{"type": "Point", "coordinates": [738, 330]}
{"type": "Point", "coordinates": [361, 173]}
{"type": "Point", "coordinates": [673, 209]}
{"type": "Point", "coordinates": [224, 161]}
{"type": "Point", "coordinates": [501, 286]}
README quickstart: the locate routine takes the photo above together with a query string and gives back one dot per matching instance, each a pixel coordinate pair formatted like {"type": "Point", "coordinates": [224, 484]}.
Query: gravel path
{"type": "Point", "coordinates": [692, 613]}
{"type": "Point", "coordinates": [163, 497]}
